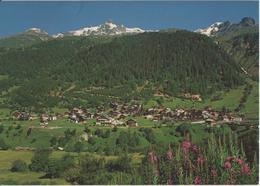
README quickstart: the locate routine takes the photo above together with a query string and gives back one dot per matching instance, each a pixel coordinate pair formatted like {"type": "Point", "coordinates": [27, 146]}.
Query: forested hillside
{"type": "Point", "coordinates": [176, 63]}
{"type": "Point", "coordinates": [243, 46]}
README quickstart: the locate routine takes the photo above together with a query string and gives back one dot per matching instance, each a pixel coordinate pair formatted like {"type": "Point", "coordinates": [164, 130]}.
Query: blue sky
{"type": "Point", "coordinates": [64, 16]}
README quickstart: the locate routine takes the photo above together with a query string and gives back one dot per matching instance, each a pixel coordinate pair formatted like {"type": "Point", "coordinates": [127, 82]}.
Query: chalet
{"type": "Point", "coordinates": [212, 122]}
{"type": "Point", "coordinates": [236, 119]}
{"type": "Point", "coordinates": [131, 123]}
{"type": "Point", "coordinates": [114, 105]}
{"type": "Point", "coordinates": [22, 116]}
{"type": "Point", "coordinates": [103, 120]}
{"type": "Point", "coordinates": [78, 115]}
{"type": "Point", "coordinates": [44, 118]}
{"type": "Point", "coordinates": [149, 117]}
{"type": "Point", "coordinates": [196, 97]}
{"type": "Point", "coordinates": [53, 118]}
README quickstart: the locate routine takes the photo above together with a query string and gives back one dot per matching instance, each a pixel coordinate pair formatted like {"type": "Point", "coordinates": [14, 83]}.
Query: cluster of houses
{"type": "Point", "coordinates": [22, 116]}
{"type": "Point", "coordinates": [207, 115]}
{"type": "Point", "coordinates": [79, 115]}
{"type": "Point", "coordinates": [113, 118]}
{"type": "Point", "coordinates": [119, 114]}
{"type": "Point", "coordinates": [45, 118]}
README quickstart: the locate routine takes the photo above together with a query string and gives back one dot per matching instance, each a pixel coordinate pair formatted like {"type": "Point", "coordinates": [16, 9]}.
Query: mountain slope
{"type": "Point", "coordinates": [240, 41]}
{"type": "Point", "coordinates": [224, 28]}
{"type": "Point", "coordinates": [27, 38]}
{"type": "Point", "coordinates": [244, 48]}
{"type": "Point", "coordinates": [175, 63]}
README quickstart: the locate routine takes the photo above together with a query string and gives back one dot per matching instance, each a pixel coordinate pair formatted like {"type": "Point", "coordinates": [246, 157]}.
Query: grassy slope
{"type": "Point", "coordinates": [7, 177]}
{"type": "Point", "coordinates": [229, 99]}
{"type": "Point", "coordinates": [252, 104]}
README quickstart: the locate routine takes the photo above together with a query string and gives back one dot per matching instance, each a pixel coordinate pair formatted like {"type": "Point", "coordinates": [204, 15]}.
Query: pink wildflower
{"type": "Point", "coordinates": [169, 154]}
{"type": "Point", "coordinates": [227, 165]}
{"type": "Point", "coordinates": [239, 161]}
{"type": "Point", "coordinates": [230, 158]}
{"type": "Point", "coordinates": [152, 157]}
{"type": "Point", "coordinates": [200, 160]}
{"type": "Point", "coordinates": [197, 180]}
{"type": "Point", "coordinates": [245, 170]}
{"type": "Point", "coordinates": [213, 173]}
{"type": "Point", "coordinates": [169, 182]}
{"type": "Point", "coordinates": [185, 146]}
{"type": "Point", "coordinates": [195, 149]}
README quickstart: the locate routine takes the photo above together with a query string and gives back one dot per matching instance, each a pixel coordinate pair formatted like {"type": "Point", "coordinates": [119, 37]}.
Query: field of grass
{"type": "Point", "coordinates": [229, 99]}
{"type": "Point", "coordinates": [28, 177]}
{"type": "Point", "coordinates": [251, 109]}
{"type": "Point", "coordinates": [8, 177]}
{"type": "Point", "coordinates": [2, 77]}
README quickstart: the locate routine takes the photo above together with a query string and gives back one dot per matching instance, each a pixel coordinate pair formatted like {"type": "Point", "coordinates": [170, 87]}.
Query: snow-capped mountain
{"type": "Point", "coordinates": [36, 31]}
{"type": "Point", "coordinates": [210, 30]}
{"type": "Point", "coordinates": [108, 28]}
{"type": "Point", "coordinates": [220, 28]}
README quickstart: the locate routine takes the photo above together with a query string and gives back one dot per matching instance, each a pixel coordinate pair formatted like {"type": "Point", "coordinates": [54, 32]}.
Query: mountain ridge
{"type": "Point", "coordinates": [222, 28]}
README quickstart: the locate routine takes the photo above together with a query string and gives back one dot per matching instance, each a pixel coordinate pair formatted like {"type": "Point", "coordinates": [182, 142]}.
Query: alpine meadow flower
{"type": "Point", "coordinates": [197, 180]}
{"type": "Point", "coordinates": [200, 160]}
{"type": "Point", "coordinates": [152, 157]}
{"type": "Point", "coordinates": [185, 146]}
{"type": "Point", "coordinates": [227, 165]}
{"type": "Point", "coordinates": [195, 149]}
{"type": "Point", "coordinates": [230, 158]}
{"type": "Point", "coordinates": [239, 161]}
{"type": "Point", "coordinates": [245, 170]}
{"type": "Point", "coordinates": [169, 154]}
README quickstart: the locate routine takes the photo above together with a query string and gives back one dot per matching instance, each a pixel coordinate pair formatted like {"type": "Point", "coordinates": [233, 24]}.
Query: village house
{"type": "Point", "coordinates": [79, 115]}
{"type": "Point", "coordinates": [103, 120]}
{"type": "Point", "coordinates": [236, 119]}
{"type": "Point", "coordinates": [196, 97]}
{"type": "Point", "coordinates": [193, 97]}
{"type": "Point", "coordinates": [44, 118]}
{"type": "Point", "coordinates": [131, 123]}
{"type": "Point", "coordinates": [22, 116]}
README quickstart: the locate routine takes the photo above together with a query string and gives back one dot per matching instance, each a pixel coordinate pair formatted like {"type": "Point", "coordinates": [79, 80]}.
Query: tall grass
{"type": "Point", "coordinates": [220, 161]}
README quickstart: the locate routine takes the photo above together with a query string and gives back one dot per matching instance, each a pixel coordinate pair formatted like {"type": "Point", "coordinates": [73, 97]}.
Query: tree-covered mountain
{"type": "Point", "coordinates": [243, 47]}
{"type": "Point", "coordinates": [175, 62]}
{"type": "Point", "coordinates": [239, 40]}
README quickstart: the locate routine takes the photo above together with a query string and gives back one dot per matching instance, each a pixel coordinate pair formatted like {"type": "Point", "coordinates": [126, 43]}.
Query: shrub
{"type": "Point", "coordinates": [183, 128]}
{"type": "Point", "coordinates": [18, 166]}
{"type": "Point", "coordinates": [3, 145]}
{"type": "Point", "coordinates": [1, 128]}
{"type": "Point", "coordinates": [40, 160]}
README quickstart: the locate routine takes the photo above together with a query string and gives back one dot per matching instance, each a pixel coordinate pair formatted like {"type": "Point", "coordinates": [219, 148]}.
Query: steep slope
{"type": "Point", "coordinates": [27, 38]}
{"type": "Point", "coordinates": [240, 41]}
{"type": "Point", "coordinates": [244, 48]}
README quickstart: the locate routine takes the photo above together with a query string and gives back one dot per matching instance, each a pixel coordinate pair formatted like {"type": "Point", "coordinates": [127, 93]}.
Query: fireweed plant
{"type": "Point", "coordinates": [220, 161]}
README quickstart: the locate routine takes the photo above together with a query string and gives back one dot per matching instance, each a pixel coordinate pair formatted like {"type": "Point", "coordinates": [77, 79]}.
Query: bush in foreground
{"type": "Point", "coordinates": [19, 166]}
